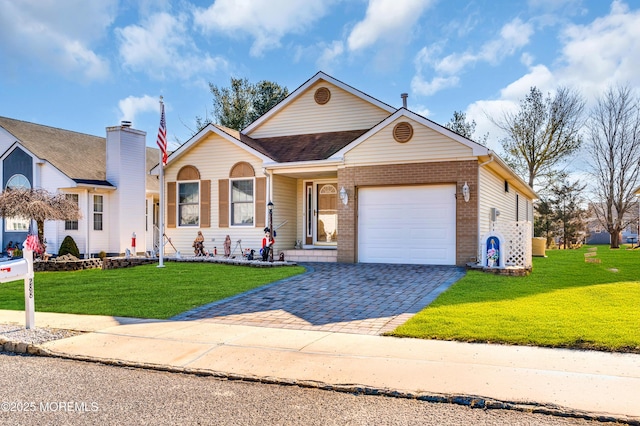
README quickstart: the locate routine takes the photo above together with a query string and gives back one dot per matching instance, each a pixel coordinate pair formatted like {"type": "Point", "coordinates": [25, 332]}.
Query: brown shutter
{"type": "Point", "coordinates": [261, 201]}
{"type": "Point", "coordinates": [205, 203]}
{"type": "Point", "coordinates": [223, 203]}
{"type": "Point", "coordinates": [171, 204]}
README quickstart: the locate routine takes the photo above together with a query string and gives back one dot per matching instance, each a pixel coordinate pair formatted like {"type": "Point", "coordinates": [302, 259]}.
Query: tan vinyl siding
{"type": "Point", "coordinates": [493, 195]}
{"type": "Point", "coordinates": [214, 157]}
{"type": "Point", "coordinates": [425, 145]}
{"type": "Point", "coordinates": [285, 203]}
{"type": "Point", "coordinates": [344, 111]}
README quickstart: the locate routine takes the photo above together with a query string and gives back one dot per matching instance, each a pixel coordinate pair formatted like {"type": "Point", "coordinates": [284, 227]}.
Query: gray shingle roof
{"type": "Point", "coordinates": [77, 155]}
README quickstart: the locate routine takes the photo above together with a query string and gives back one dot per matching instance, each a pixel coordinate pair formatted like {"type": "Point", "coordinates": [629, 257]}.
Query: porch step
{"type": "Point", "coordinates": [311, 255]}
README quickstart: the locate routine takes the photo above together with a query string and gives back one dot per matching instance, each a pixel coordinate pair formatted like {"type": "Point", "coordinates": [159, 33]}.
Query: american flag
{"type": "Point", "coordinates": [162, 135]}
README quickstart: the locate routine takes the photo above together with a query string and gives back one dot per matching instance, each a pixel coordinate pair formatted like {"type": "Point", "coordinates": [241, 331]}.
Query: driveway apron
{"type": "Point", "coordinates": [349, 298]}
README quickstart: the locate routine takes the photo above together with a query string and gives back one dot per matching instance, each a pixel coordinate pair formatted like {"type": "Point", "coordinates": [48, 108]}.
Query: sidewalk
{"type": "Point", "coordinates": [570, 382]}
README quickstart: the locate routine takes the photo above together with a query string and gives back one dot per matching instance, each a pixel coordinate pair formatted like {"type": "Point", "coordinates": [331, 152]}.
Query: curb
{"type": "Point", "coordinates": [472, 401]}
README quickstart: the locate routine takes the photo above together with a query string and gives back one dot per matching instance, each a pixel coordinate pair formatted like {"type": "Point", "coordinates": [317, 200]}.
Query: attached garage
{"type": "Point", "coordinates": [407, 224]}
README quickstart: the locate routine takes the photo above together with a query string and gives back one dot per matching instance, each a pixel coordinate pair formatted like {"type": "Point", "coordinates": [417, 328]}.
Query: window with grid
{"type": "Point", "coordinates": [71, 225]}
{"type": "Point", "coordinates": [98, 210]}
{"type": "Point", "coordinates": [242, 202]}
{"type": "Point", "coordinates": [189, 203]}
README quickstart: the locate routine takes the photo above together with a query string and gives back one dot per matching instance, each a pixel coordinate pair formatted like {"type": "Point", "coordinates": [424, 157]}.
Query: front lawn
{"type": "Point", "coordinates": [143, 291]}
{"type": "Point", "coordinates": [565, 302]}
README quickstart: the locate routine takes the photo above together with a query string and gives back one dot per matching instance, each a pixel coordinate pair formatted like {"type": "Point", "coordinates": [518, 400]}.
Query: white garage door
{"type": "Point", "coordinates": [408, 224]}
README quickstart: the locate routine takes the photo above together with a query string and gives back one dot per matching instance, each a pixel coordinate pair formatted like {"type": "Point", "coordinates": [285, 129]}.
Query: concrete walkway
{"type": "Point", "coordinates": [581, 383]}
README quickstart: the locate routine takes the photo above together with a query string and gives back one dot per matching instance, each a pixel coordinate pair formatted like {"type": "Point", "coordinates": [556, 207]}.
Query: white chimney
{"type": "Point", "coordinates": [126, 170]}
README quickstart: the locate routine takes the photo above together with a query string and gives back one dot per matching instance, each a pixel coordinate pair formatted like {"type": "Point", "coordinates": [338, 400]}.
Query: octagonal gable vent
{"type": "Point", "coordinates": [322, 95]}
{"type": "Point", "coordinates": [403, 132]}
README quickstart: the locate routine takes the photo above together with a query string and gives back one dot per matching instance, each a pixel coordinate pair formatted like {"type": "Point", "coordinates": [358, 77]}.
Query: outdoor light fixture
{"type": "Point", "coordinates": [344, 196]}
{"type": "Point", "coordinates": [270, 206]}
{"type": "Point", "coordinates": [465, 192]}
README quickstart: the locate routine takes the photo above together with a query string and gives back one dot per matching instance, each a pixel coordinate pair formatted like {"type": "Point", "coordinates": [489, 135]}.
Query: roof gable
{"type": "Point", "coordinates": [321, 105]}
{"type": "Point", "coordinates": [475, 147]}
{"type": "Point", "coordinates": [229, 135]}
{"type": "Point", "coordinates": [77, 155]}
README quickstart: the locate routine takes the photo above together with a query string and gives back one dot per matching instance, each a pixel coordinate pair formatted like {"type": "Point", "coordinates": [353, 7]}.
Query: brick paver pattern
{"type": "Point", "coordinates": [340, 297]}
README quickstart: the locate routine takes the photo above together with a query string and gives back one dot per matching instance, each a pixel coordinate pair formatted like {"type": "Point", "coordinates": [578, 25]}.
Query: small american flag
{"type": "Point", "coordinates": [162, 135]}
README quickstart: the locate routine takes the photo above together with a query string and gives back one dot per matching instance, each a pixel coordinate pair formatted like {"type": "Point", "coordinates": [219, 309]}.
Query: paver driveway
{"type": "Point", "coordinates": [350, 298]}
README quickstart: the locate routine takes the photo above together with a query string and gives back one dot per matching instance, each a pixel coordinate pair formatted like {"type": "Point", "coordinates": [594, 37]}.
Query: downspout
{"type": "Point", "coordinates": [87, 253]}
{"type": "Point", "coordinates": [491, 158]}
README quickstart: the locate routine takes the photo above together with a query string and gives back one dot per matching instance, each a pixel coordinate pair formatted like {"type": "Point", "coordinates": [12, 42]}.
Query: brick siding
{"type": "Point", "coordinates": [450, 172]}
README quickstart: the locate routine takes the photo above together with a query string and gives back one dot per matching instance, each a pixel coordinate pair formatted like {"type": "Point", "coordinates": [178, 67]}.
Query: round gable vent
{"type": "Point", "coordinates": [322, 96]}
{"type": "Point", "coordinates": [402, 132]}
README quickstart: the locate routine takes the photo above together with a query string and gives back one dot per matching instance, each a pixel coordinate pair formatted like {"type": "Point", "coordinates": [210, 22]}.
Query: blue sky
{"type": "Point", "coordinates": [85, 65]}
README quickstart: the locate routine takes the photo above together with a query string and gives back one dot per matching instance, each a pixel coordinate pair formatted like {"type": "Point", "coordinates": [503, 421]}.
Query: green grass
{"type": "Point", "coordinates": [565, 302]}
{"type": "Point", "coordinates": [141, 292]}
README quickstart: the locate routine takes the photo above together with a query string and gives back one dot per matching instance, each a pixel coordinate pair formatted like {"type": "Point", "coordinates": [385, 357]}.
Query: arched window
{"type": "Point", "coordinates": [242, 196]}
{"type": "Point", "coordinates": [17, 224]}
{"type": "Point", "coordinates": [189, 196]}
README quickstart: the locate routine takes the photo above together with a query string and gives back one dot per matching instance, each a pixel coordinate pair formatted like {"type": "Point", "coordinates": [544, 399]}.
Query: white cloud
{"type": "Point", "coordinates": [508, 101]}
{"type": "Point", "coordinates": [132, 105]}
{"type": "Point", "coordinates": [266, 21]}
{"type": "Point", "coordinates": [162, 47]}
{"type": "Point", "coordinates": [56, 35]}
{"type": "Point", "coordinates": [602, 52]}
{"type": "Point", "coordinates": [386, 20]}
{"type": "Point", "coordinates": [513, 36]}
{"type": "Point", "coordinates": [426, 88]}
{"type": "Point", "coordinates": [330, 54]}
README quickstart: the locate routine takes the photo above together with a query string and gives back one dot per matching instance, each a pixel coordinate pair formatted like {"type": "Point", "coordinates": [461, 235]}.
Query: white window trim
{"type": "Point", "coordinates": [64, 222]}
{"type": "Point", "coordinates": [244, 225]}
{"type": "Point", "coordinates": [17, 220]}
{"type": "Point", "coordinates": [101, 213]}
{"type": "Point", "coordinates": [178, 217]}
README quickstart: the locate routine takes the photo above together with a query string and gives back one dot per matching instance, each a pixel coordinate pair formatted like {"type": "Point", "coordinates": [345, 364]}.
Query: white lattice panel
{"type": "Point", "coordinates": [518, 236]}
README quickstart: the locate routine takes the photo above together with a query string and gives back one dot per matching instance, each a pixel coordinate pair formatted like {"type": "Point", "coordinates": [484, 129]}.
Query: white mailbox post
{"type": "Point", "coordinates": [13, 270]}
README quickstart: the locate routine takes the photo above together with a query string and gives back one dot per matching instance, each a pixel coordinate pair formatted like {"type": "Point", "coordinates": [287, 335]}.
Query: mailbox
{"type": "Point", "coordinates": [13, 270]}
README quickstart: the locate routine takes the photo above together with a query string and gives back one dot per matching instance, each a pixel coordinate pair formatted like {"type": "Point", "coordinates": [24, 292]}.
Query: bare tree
{"type": "Point", "coordinates": [39, 205]}
{"type": "Point", "coordinates": [543, 132]}
{"type": "Point", "coordinates": [614, 145]}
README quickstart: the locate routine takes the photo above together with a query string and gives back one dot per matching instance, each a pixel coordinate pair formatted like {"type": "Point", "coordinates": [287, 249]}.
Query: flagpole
{"type": "Point", "coordinates": [161, 213]}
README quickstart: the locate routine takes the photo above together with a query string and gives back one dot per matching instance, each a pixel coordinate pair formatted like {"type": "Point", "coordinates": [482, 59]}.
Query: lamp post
{"type": "Point", "coordinates": [270, 207]}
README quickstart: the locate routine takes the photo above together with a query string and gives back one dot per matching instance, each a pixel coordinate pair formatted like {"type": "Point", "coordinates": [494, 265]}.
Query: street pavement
{"type": "Point", "coordinates": [586, 384]}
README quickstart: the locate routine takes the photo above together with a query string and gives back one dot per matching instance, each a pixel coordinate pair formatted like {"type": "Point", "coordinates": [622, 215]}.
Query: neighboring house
{"type": "Point", "coordinates": [351, 179]}
{"type": "Point", "coordinates": [598, 234]}
{"type": "Point", "coordinates": [107, 177]}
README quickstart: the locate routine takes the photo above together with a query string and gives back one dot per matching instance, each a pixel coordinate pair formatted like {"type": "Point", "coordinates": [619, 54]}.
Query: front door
{"type": "Point", "coordinates": [321, 200]}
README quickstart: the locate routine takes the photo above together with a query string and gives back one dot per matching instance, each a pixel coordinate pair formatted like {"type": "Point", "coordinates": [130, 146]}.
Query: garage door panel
{"type": "Point", "coordinates": [413, 224]}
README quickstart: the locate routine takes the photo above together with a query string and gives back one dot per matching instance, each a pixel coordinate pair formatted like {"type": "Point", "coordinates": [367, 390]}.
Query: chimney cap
{"type": "Point", "coordinates": [125, 123]}
{"type": "Point", "coordinates": [404, 97]}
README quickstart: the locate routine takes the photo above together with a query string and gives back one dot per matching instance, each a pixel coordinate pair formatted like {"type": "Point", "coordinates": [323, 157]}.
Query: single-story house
{"type": "Point", "coordinates": [351, 179]}
{"type": "Point", "coordinates": [107, 176]}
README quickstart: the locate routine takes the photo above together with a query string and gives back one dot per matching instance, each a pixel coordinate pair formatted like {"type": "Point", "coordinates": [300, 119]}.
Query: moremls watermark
{"type": "Point", "coordinates": [49, 407]}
